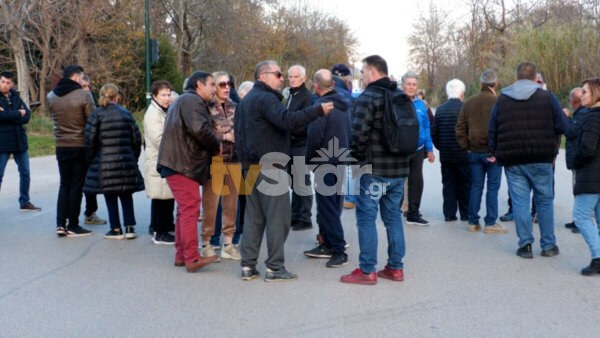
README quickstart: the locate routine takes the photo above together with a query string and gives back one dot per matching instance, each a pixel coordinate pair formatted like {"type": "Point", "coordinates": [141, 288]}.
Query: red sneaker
{"type": "Point", "coordinates": [396, 275]}
{"type": "Point", "coordinates": [358, 277]}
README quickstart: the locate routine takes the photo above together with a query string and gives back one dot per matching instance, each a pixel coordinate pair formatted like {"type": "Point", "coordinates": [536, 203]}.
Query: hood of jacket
{"type": "Point", "coordinates": [339, 101]}
{"type": "Point", "coordinates": [521, 90]}
{"type": "Point", "coordinates": [65, 86]}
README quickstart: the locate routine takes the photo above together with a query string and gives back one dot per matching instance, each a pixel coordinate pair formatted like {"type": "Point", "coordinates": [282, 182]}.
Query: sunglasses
{"type": "Point", "coordinates": [224, 84]}
{"type": "Point", "coordinates": [277, 74]}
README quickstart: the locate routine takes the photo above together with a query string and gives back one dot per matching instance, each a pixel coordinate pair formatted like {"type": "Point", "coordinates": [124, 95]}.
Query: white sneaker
{"type": "Point", "coordinates": [207, 251]}
{"type": "Point", "coordinates": [230, 252]}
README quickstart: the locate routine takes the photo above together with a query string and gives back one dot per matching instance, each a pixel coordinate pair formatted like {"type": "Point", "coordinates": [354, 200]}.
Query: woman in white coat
{"type": "Point", "coordinates": [163, 203]}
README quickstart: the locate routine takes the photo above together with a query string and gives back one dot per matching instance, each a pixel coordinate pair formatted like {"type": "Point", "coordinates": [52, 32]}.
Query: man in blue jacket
{"type": "Point", "coordinates": [410, 84]}
{"type": "Point", "coordinates": [331, 133]}
{"type": "Point", "coordinates": [14, 114]}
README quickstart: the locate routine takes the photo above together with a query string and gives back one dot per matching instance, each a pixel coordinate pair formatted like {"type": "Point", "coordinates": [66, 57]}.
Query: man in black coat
{"type": "Point", "coordinates": [456, 172]}
{"type": "Point", "coordinates": [302, 195]}
{"type": "Point", "coordinates": [262, 133]}
{"type": "Point", "coordinates": [14, 114]}
{"type": "Point", "coordinates": [331, 133]}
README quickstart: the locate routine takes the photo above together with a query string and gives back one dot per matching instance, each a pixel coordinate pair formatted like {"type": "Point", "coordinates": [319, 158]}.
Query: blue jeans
{"type": "Point", "coordinates": [522, 180]}
{"type": "Point", "coordinates": [22, 160]}
{"type": "Point", "coordinates": [385, 193]}
{"type": "Point", "coordinates": [480, 167]}
{"type": "Point", "coordinates": [351, 186]}
{"type": "Point", "coordinates": [586, 206]}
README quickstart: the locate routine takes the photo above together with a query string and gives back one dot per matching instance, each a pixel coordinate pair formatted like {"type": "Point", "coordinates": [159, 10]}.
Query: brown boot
{"type": "Point", "coordinates": [200, 262]}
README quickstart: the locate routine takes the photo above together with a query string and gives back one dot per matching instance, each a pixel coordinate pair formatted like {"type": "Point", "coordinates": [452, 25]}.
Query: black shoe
{"type": "Point", "coordinates": [321, 251]}
{"type": "Point", "coordinates": [450, 219]}
{"type": "Point", "coordinates": [337, 260]}
{"type": "Point", "coordinates": [130, 232]}
{"type": "Point", "coordinates": [464, 219]}
{"type": "Point", "coordinates": [593, 268]}
{"type": "Point", "coordinates": [281, 275]}
{"type": "Point", "coordinates": [151, 231]}
{"type": "Point", "coordinates": [163, 238]}
{"type": "Point", "coordinates": [301, 226]}
{"type": "Point", "coordinates": [570, 225]}
{"type": "Point", "coordinates": [61, 232]}
{"type": "Point", "coordinates": [525, 251]}
{"type": "Point", "coordinates": [249, 273]}
{"type": "Point", "coordinates": [77, 231]}
{"type": "Point", "coordinates": [575, 230]}
{"type": "Point", "coordinates": [508, 217]}
{"type": "Point", "coordinates": [553, 251]}
{"type": "Point", "coordinates": [416, 220]}
{"type": "Point", "coordinates": [30, 207]}
{"type": "Point", "coordinates": [115, 233]}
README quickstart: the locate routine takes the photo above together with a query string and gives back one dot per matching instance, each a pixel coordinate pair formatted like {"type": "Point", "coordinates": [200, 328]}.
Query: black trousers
{"type": "Point", "coordinates": [91, 204]}
{"type": "Point", "coordinates": [72, 168]}
{"type": "Point", "coordinates": [329, 211]}
{"type": "Point", "coordinates": [415, 183]}
{"type": "Point", "coordinates": [161, 215]}
{"type": "Point", "coordinates": [456, 187]}
{"type": "Point", "coordinates": [112, 204]}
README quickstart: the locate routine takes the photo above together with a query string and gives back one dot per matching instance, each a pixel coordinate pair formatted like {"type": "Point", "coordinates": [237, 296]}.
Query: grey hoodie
{"type": "Point", "coordinates": [521, 90]}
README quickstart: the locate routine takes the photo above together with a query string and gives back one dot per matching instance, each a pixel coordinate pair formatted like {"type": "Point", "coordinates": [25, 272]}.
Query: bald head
{"type": "Point", "coordinates": [323, 81]}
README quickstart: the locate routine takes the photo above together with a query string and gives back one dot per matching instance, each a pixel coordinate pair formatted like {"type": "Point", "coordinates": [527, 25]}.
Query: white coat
{"type": "Point", "coordinates": [154, 122]}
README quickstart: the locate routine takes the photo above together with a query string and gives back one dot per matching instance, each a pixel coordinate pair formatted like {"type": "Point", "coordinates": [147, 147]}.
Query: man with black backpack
{"type": "Point", "coordinates": [384, 184]}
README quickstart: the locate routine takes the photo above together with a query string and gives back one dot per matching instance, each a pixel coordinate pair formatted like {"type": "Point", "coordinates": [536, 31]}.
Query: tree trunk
{"type": "Point", "coordinates": [23, 77]}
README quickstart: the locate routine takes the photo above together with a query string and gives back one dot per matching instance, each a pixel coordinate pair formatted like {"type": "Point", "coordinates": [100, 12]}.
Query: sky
{"type": "Point", "coordinates": [383, 27]}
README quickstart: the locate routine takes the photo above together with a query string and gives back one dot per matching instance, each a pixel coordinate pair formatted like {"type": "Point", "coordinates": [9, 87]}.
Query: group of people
{"type": "Point", "coordinates": [212, 149]}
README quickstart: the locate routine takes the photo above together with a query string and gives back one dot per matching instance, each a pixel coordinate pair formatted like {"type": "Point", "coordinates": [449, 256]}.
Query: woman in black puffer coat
{"type": "Point", "coordinates": [113, 144]}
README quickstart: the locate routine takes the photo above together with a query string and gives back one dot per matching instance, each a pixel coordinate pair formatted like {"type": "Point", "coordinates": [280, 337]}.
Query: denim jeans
{"type": "Point", "coordinates": [480, 168]}
{"type": "Point", "coordinates": [380, 193]}
{"type": "Point", "coordinates": [22, 160]}
{"type": "Point", "coordinates": [522, 180]}
{"type": "Point", "coordinates": [588, 206]}
{"type": "Point", "coordinates": [351, 187]}
{"type": "Point", "coordinates": [112, 205]}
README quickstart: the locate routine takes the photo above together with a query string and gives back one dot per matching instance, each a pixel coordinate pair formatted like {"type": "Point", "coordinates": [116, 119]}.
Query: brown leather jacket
{"type": "Point", "coordinates": [70, 113]}
{"type": "Point", "coordinates": [222, 120]}
{"type": "Point", "coordinates": [188, 142]}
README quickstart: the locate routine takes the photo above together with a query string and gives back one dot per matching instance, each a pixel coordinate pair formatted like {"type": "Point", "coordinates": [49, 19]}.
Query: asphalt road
{"type": "Point", "coordinates": [457, 284]}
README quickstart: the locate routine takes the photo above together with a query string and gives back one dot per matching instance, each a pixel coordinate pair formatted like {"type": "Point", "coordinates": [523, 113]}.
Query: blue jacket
{"type": "Point", "coordinates": [340, 88]}
{"type": "Point", "coordinates": [325, 128]}
{"type": "Point", "coordinates": [424, 125]}
{"type": "Point", "coordinates": [12, 125]}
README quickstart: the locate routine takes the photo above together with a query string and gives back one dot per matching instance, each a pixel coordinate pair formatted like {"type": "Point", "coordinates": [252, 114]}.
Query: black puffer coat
{"type": "Point", "coordinates": [587, 156]}
{"type": "Point", "coordinates": [113, 144]}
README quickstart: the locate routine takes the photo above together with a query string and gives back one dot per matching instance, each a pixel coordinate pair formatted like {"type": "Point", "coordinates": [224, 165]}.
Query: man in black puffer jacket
{"type": "Point", "coordinates": [522, 136]}
{"type": "Point", "coordinates": [262, 133]}
{"type": "Point", "coordinates": [456, 172]}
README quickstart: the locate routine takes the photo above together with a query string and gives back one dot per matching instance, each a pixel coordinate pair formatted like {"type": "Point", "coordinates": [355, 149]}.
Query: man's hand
{"type": "Point", "coordinates": [1, 109]}
{"type": "Point", "coordinates": [327, 107]}
{"type": "Point", "coordinates": [567, 112]}
{"type": "Point", "coordinates": [229, 137]}
{"type": "Point", "coordinates": [491, 159]}
{"type": "Point", "coordinates": [430, 156]}
{"type": "Point", "coordinates": [23, 112]}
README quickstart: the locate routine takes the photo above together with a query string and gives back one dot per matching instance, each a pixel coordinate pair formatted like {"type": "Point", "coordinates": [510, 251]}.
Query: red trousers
{"type": "Point", "coordinates": [187, 195]}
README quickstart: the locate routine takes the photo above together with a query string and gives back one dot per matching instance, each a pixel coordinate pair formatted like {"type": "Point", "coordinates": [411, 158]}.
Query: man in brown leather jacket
{"type": "Point", "coordinates": [70, 107]}
{"type": "Point", "coordinates": [186, 150]}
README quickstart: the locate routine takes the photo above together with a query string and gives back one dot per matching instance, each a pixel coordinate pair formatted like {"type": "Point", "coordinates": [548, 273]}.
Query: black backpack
{"type": "Point", "coordinates": [400, 133]}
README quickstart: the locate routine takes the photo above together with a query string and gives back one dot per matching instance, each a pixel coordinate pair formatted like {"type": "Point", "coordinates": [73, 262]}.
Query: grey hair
{"type": "Point", "coordinates": [455, 88]}
{"type": "Point", "coordinates": [573, 91]}
{"type": "Point", "coordinates": [409, 75]}
{"type": "Point", "coordinates": [245, 88]}
{"type": "Point", "coordinates": [300, 68]}
{"type": "Point", "coordinates": [324, 79]}
{"type": "Point", "coordinates": [262, 66]}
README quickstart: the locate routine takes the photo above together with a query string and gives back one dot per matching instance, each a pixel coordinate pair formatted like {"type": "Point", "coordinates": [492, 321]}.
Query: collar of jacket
{"type": "Point", "coordinates": [264, 87]}
{"type": "Point", "coordinates": [294, 91]}
{"type": "Point", "coordinates": [384, 82]}
{"type": "Point", "coordinates": [193, 91]}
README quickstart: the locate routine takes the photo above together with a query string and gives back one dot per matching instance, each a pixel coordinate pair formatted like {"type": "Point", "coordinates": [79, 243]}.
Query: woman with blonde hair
{"type": "Point", "coordinates": [113, 145]}
{"type": "Point", "coordinates": [586, 186]}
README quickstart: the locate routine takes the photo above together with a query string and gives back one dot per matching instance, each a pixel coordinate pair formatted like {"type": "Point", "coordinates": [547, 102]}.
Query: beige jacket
{"type": "Point", "coordinates": [154, 122]}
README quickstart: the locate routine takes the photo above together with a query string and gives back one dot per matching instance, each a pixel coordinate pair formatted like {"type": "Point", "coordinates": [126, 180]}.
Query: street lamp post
{"type": "Point", "coordinates": [148, 75]}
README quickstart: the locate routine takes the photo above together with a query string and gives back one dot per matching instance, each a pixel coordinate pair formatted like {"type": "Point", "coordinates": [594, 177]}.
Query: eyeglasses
{"type": "Point", "coordinates": [224, 84]}
{"type": "Point", "coordinates": [277, 74]}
